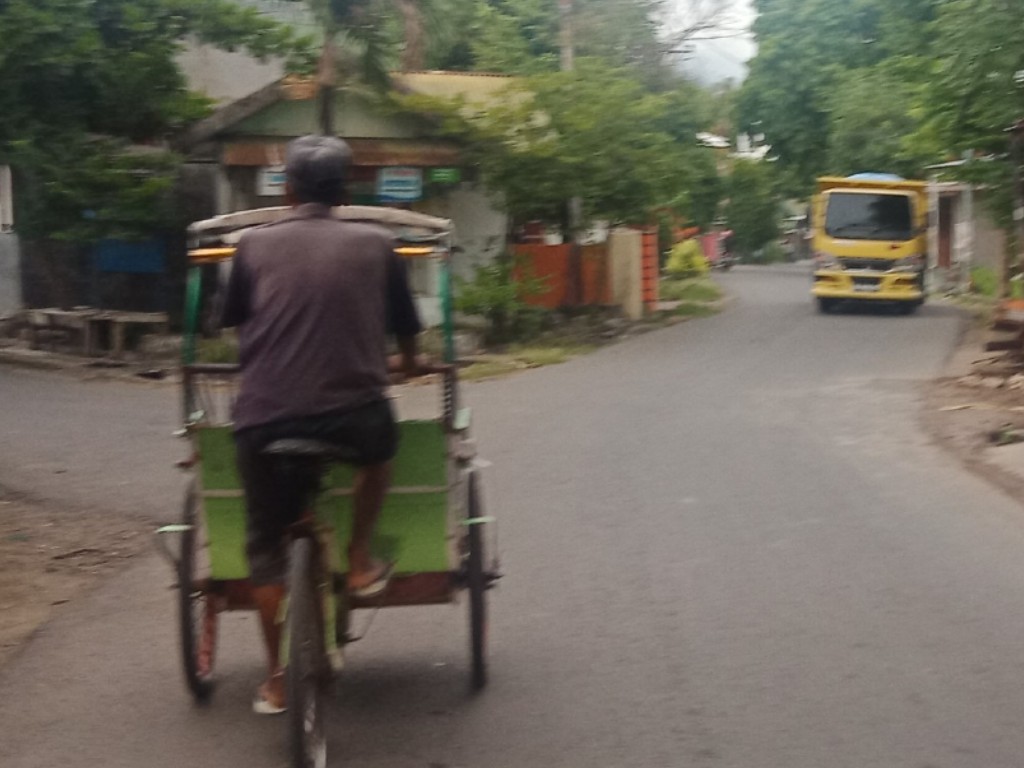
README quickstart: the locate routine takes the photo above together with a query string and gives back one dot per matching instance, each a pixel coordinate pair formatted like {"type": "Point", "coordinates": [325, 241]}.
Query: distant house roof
{"type": "Point", "coordinates": [474, 88]}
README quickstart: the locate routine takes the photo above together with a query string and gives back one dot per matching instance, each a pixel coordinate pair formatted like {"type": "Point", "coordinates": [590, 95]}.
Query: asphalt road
{"type": "Point", "coordinates": [728, 543]}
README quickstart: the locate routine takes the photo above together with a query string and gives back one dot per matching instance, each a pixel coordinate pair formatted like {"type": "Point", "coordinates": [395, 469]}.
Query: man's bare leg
{"type": "Point", "coordinates": [268, 602]}
{"type": "Point", "coordinates": [368, 493]}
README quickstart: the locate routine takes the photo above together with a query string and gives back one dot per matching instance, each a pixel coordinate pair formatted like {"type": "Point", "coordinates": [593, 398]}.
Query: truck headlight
{"type": "Point", "coordinates": [908, 264]}
{"type": "Point", "coordinates": [826, 261]}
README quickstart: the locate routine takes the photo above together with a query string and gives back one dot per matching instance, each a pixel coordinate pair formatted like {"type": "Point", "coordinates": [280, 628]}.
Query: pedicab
{"type": "Point", "coordinates": [432, 526]}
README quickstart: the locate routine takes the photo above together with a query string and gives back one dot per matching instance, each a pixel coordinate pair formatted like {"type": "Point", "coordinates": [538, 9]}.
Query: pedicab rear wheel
{"type": "Point", "coordinates": [197, 614]}
{"type": "Point", "coordinates": [476, 583]}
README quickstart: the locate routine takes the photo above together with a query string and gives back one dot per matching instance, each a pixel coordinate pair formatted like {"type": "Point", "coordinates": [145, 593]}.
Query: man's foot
{"type": "Point", "coordinates": [270, 698]}
{"type": "Point", "coordinates": [371, 581]}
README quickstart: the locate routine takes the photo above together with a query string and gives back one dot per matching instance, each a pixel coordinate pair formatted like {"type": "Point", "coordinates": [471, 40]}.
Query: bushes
{"type": "Point", "coordinates": [497, 293]}
{"type": "Point", "coordinates": [686, 259]}
{"type": "Point", "coordinates": [985, 281]}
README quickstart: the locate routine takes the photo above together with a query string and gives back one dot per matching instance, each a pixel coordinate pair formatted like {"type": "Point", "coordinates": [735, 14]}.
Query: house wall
{"type": "Point", "coordinates": [354, 117]}
{"type": "Point", "coordinates": [226, 76]}
{"type": "Point", "coordinates": [10, 274]}
{"type": "Point", "coordinates": [989, 239]}
{"type": "Point", "coordinates": [480, 226]}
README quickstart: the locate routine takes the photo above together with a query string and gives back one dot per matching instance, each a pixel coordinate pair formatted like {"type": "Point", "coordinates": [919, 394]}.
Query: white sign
{"type": "Point", "coordinates": [399, 185]}
{"type": "Point", "coordinates": [270, 181]}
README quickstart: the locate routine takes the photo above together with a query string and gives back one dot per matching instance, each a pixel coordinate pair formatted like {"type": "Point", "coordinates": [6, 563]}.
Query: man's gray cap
{"type": "Point", "coordinates": [316, 162]}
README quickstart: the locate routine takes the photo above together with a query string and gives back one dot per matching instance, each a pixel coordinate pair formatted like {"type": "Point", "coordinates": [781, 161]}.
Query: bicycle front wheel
{"type": "Point", "coordinates": [197, 612]}
{"type": "Point", "coordinates": [305, 680]}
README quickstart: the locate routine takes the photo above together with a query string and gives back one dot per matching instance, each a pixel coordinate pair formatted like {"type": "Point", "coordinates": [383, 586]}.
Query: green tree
{"type": "Point", "coordinates": [874, 114]}
{"type": "Point", "coordinates": [753, 208]}
{"type": "Point", "coordinates": [92, 92]}
{"type": "Point", "coordinates": [595, 134]}
{"type": "Point", "coordinates": [805, 49]}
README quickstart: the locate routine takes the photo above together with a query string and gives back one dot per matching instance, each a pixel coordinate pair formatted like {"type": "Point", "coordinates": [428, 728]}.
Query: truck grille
{"type": "Point", "coordinates": [881, 265]}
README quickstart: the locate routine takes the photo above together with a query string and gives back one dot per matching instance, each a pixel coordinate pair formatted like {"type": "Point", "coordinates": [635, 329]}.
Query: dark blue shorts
{"type": "Point", "coordinates": [368, 434]}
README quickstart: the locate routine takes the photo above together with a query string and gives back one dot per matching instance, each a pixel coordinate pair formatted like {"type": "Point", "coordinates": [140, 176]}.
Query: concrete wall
{"type": "Point", "coordinates": [10, 274]}
{"type": "Point", "coordinates": [480, 227]}
{"type": "Point", "coordinates": [989, 239]}
{"type": "Point", "coordinates": [625, 256]}
{"type": "Point", "coordinates": [479, 235]}
{"type": "Point", "coordinates": [224, 76]}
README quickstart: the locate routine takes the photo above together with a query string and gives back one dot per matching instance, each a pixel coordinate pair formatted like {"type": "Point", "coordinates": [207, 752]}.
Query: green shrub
{"type": "Point", "coordinates": [497, 293]}
{"type": "Point", "coordinates": [985, 281]}
{"type": "Point", "coordinates": [689, 290]}
{"type": "Point", "coordinates": [686, 259]}
{"type": "Point", "coordinates": [223, 349]}
{"type": "Point", "coordinates": [773, 253]}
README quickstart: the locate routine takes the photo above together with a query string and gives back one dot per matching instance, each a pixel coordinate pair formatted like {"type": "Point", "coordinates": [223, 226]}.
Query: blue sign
{"type": "Point", "coordinates": [145, 257]}
{"type": "Point", "coordinates": [399, 185]}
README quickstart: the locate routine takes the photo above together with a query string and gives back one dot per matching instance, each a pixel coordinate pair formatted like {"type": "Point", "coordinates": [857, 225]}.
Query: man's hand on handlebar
{"type": "Point", "coordinates": [402, 368]}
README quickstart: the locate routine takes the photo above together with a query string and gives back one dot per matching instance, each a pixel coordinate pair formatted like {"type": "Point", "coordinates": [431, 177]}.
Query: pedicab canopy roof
{"type": "Point", "coordinates": [418, 234]}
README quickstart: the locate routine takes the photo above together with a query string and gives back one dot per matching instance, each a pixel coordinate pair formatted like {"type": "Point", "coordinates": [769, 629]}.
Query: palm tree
{"type": "Point", "coordinates": [355, 48]}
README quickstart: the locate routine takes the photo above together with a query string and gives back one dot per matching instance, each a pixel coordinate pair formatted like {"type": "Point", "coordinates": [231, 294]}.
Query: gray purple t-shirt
{"type": "Point", "coordinates": [314, 299]}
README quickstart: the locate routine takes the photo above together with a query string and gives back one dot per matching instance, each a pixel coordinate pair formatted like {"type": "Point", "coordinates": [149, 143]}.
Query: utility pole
{"type": "Point", "coordinates": [565, 35]}
{"type": "Point", "coordinates": [574, 206]}
{"type": "Point", "coordinates": [1016, 132]}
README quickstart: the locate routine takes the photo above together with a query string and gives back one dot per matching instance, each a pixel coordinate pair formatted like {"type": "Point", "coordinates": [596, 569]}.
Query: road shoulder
{"type": "Point", "coordinates": [975, 400]}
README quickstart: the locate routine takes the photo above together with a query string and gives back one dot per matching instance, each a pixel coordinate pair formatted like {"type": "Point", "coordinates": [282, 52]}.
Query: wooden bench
{"type": "Point", "coordinates": [86, 322]}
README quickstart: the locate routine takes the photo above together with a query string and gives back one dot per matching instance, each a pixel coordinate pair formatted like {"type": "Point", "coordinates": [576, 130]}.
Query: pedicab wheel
{"type": "Point", "coordinates": [305, 673]}
{"type": "Point", "coordinates": [197, 615]}
{"type": "Point", "coordinates": [476, 583]}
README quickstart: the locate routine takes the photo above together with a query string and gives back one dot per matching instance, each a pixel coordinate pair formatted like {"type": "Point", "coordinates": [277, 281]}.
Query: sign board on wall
{"type": "Point", "coordinates": [399, 185]}
{"type": "Point", "coordinates": [270, 181]}
{"type": "Point", "coordinates": [445, 175]}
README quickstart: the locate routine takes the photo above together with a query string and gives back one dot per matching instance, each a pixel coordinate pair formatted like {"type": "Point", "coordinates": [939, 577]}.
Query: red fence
{"type": "Point", "coordinates": [651, 270]}
{"type": "Point", "coordinates": [552, 264]}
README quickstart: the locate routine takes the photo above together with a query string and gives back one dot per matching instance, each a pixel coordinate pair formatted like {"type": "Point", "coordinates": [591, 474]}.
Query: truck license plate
{"type": "Point", "coordinates": [865, 287]}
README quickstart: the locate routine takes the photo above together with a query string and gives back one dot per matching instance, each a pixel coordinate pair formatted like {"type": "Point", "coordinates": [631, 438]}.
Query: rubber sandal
{"type": "Point", "coordinates": [376, 587]}
{"type": "Point", "coordinates": [261, 706]}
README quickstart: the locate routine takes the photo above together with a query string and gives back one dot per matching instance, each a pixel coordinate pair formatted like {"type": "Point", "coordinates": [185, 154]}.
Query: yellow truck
{"type": "Point", "coordinates": [869, 241]}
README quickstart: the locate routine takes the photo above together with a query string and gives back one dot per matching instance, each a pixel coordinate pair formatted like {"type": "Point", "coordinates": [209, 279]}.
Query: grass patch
{"type": "Point", "coordinates": [489, 369]}
{"type": "Point", "coordinates": [694, 309]}
{"type": "Point", "coordinates": [699, 290]}
{"type": "Point", "coordinates": [534, 357]}
{"type": "Point", "coordinates": [521, 358]}
{"type": "Point", "coordinates": [222, 350]}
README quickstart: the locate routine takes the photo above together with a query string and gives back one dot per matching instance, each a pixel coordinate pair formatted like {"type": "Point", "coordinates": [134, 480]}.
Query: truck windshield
{"type": "Point", "coordinates": [860, 216]}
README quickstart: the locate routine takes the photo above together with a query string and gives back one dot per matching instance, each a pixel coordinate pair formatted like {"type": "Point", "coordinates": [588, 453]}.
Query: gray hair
{"type": "Point", "coordinates": [317, 168]}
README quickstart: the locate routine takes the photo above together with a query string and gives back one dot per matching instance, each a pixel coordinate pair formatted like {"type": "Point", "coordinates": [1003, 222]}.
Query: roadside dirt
{"type": "Point", "coordinates": [966, 427]}
{"type": "Point", "coordinates": [48, 557]}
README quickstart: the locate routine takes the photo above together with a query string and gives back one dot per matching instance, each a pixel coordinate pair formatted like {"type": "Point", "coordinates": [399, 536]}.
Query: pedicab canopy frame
{"type": "Point", "coordinates": [418, 235]}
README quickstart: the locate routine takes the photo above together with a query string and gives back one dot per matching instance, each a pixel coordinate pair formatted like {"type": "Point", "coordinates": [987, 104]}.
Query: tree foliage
{"type": "Point", "coordinates": [595, 134]}
{"type": "Point", "coordinates": [847, 85]}
{"type": "Point", "coordinates": [85, 81]}
{"type": "Point", "coordinates": [810, 54]}
{"type": "Point", "coordinates": [752, 208]}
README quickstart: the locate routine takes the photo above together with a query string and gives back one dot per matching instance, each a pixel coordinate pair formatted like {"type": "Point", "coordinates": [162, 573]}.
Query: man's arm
{"type": "Point", "coordinates": [235, 294]}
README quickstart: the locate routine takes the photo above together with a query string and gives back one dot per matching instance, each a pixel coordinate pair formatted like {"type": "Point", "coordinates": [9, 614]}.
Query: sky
{"type": "Point", "coordinates": [713, 61]}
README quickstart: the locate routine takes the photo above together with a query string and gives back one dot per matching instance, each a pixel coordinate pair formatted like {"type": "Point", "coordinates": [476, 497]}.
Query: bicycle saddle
{"type": "Point", "coordinates": [305, 449]}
